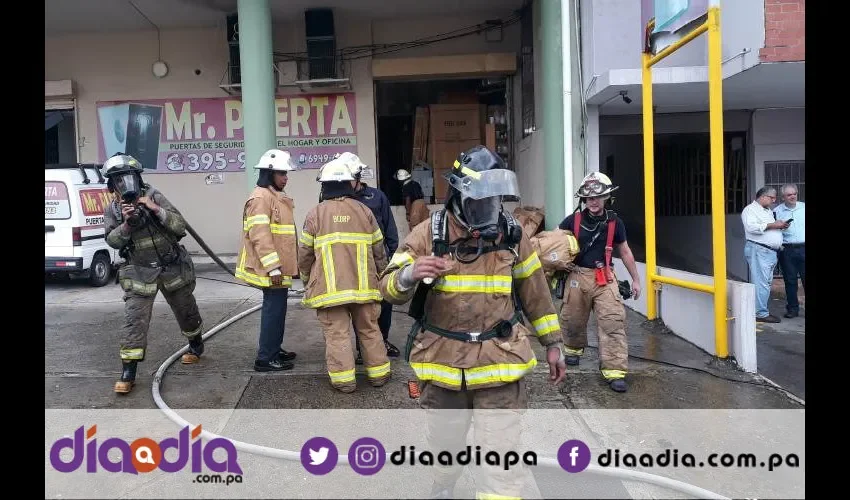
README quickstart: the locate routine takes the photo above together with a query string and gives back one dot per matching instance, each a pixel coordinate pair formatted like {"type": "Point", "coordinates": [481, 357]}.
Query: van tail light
{"type": "Point", "coordinates": [76, 236]}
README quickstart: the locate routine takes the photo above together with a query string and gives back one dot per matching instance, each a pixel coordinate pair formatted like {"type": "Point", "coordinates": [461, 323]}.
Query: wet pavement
{"type": "Point", "coordinates": [781, 346]}
{"type": "Point", "coordinates": [83, 328]}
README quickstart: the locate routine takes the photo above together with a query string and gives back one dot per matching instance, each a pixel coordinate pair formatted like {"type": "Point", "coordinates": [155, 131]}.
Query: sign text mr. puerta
{"type": "Point", "coordinates": [293, 117]}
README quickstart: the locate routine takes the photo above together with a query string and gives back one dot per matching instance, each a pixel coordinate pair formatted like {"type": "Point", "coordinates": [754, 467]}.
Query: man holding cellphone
{"type": "Point", "coordinates": [763, 235]}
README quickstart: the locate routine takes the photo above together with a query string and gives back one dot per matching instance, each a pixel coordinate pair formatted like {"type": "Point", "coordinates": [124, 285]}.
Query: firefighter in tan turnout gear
{"type": "Point", "coordinates": [269, 255]}
{"type": "Point", "coordinates": [341, 251]}
{"type": "Point", "coordinates": [414, 198]}
{"type": "Point", "coordinates": [146, 228]}
{"type": "Point", "coordinates": [471, 273]}
{"type": "Point", "coordinates": [592, 285]}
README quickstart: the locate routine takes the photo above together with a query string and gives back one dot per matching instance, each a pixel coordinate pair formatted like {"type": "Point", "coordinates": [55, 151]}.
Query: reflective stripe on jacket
{"type": "Point", "coordinates": [341, 251]}
{"type": "Point", "coordinates": [268, 238]}
{"type": "Point", "coordinates": [474, 297]}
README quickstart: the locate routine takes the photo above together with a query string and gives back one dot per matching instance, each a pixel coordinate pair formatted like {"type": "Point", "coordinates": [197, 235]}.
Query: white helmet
{"type": "Point", "coordinates": [276, 161]}
{"type": "Point", "coordinates": [595, 184]}
{"type": "Point", "coordinates": [337, 170]}
{"type": "Point", "coordinates": [402, 175]}
{"type": "Point", "coordinates": [353, 161]}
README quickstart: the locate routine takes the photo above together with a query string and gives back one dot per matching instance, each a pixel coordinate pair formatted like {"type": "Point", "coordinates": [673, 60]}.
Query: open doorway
{"type": "Point", "coordinates": [423, 125]}
{"type": "Point", "coordinates": [59, 136]}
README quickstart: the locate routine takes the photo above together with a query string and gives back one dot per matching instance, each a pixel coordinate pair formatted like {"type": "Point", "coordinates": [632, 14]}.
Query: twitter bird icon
{"type": "Point", "coordinates": [319, 456]}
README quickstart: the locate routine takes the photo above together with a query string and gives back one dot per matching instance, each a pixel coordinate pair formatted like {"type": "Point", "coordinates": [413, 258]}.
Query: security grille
{"type": "Point", "coordinates": [777, 173]}
{"type": "Point", "coordinates": [683, 174]}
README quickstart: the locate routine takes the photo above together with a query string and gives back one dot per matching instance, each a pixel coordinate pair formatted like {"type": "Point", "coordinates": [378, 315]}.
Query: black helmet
{"type": "Point", "coordinates": [124, 175]}
{"type": "Point", "coordinates": [479, 182]}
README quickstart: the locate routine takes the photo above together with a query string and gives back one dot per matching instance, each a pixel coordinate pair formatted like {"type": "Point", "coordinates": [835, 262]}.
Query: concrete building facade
{"type": "Point", "coordinates": [99, 53]}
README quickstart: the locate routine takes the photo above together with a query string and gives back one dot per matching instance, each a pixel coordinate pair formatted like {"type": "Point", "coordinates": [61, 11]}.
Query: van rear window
{"type": "Point", "coordinates": [56, 202]}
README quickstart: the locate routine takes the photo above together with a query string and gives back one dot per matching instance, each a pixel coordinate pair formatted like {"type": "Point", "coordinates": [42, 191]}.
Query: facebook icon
{"type": "Point", "coordinates": [574, 456]}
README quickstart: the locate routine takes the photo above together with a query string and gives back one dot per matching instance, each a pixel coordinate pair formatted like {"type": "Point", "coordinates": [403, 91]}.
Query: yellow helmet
{"type": "Point", "coordinates": [595, 184]}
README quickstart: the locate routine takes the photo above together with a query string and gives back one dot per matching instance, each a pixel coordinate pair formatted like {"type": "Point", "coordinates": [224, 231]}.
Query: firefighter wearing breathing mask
{"type": "Point", "coordinates": [592, 285]}
{"type": "Point", "coordinates": [146, 228]}
{"type": "Point", "coordinates": [341, 250]}
{"type": "Point", "coordinates": [470, 273]}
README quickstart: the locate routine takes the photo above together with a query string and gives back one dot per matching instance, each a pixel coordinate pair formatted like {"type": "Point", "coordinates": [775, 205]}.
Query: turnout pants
{"type": "Point", "coordinates": [418, 213]}
{"type": "Point", "coordinates": [339, 353]}
{"type": "Point", "coordinates": [137, 313]}
{"type": "Point", "coordinates": [384, 322]}
{"type": "Point", "coordinates": [495, 414]}
{"type": "Point", "coordinates": [580, 296]}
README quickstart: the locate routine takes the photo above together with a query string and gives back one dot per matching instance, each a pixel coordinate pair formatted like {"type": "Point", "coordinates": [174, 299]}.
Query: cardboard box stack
{"type": "Point", "coordinates": [454, 128]}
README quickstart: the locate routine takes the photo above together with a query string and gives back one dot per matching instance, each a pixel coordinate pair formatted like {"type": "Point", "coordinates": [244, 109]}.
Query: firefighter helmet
{"type": "Point", "coordinates": [479, 182]}
{"type": "Point", "coordinates": [337, 170]}
{"type": "Point", "coordinates": [595, 184]}
{"type": "Point", "coordinates": [354, 163]}
{"type": "Point", "coordinates": [124, 176]}
{"type": "Point", "coordinates": [276, 161]}
{"type": "Point", "coordinates": [120, 163]}
{"type": "Point", "coordinates": [402, 175]}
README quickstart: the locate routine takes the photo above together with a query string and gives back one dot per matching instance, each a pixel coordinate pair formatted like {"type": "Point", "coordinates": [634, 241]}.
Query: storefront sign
{"type": "Point", "coordinates": [206, 135]}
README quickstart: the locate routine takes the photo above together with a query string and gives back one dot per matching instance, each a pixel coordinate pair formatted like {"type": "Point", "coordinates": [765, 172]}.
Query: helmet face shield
{"type": "Point", "coordinates": [487, 184]}
{"type": "Point", "coordinates": [481, 213]}
{"type": "Point", "coordinates": [128, 186]}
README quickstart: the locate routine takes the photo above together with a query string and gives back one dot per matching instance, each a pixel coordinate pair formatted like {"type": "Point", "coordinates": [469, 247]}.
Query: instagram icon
{"type": "Point", "coordinates": [366, 456]}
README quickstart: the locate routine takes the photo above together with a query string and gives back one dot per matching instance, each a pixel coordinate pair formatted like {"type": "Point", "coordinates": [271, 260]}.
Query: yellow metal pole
{"type": "Point", "coordinates": [678, 44]}
{"type": "Point", "coordinates": [684, 284]}
{"type": "Point", "coordinates": [649, 187]}
{"type": "Point", "coordinates": [718, 205]}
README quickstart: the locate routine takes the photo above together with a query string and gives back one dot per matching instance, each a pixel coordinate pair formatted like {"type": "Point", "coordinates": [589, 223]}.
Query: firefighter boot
{"type": "Point", "coordinates": [128, 377]}
{"type": "Point", "coordinates": [196, 348]}
{"type": "Point", "coordinates": [618, 385]}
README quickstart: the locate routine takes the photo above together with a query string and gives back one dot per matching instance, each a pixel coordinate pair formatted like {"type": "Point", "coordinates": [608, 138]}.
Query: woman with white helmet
{"type": "Point", "coordinates": [269, 255]}
{"type": "Point", "coordinates": [414, 198]}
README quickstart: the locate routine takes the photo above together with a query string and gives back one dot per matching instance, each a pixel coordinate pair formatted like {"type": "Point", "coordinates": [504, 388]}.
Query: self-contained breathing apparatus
{"type": "Point", "coordinates": [124, 179]}
{"type": "Point", "coordinates": [478, 182]}
{"type": "Point", "coordinates": [511, 230]}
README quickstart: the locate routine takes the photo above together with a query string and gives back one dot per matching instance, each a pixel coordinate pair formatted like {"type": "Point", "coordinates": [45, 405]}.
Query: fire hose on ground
{"type": "Point", "coordinates": [611, 472]}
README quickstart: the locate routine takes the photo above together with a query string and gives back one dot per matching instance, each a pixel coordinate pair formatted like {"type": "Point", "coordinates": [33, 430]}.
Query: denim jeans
{"type": "Point", "coordinates": [792, 260]}
{"type": "Point", "coordinates": [760, 261]}
{"type": "Point", "coordinates": [272, 323]}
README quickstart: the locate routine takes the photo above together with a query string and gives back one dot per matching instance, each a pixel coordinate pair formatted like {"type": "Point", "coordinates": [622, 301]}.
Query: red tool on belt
{"type": "Point", "coordinates": [604, 274]}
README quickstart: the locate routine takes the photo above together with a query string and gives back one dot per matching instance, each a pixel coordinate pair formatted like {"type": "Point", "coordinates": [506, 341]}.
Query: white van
{"type": "Point", "coordinates": [74, 239]}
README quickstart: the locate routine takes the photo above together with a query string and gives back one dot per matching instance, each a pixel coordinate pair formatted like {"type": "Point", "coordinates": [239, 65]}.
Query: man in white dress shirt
{"type": "Point", "coordinates": [792, 258]}
{"type": "Point", "coordinates": [764, 240]}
